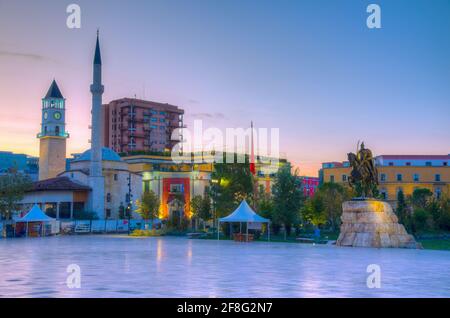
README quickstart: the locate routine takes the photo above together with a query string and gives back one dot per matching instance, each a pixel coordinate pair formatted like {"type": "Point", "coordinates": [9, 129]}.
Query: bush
{"type": "Point", "coordinates": [444, 221]}
{"type": "Point", "coordinates": [420, 217]}
{"type": "Point", "coordinates": [147, 233]}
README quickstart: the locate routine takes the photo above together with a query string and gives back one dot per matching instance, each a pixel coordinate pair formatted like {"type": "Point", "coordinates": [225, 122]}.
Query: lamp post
{"type": "Point", "coordinates": [130, 202]}
{"type": "Point", "coordinates": [214, 193]}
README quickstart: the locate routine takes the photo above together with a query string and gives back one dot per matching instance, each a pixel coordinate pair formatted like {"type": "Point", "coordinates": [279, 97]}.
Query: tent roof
{"type": "Point", "coordinates": [244, 213]}
{"type": "Point", "coordinates": [35, 215]}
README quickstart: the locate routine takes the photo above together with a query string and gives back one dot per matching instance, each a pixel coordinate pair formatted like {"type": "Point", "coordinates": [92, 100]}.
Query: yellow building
{"type": "Point", "coordinates": [399, 173]}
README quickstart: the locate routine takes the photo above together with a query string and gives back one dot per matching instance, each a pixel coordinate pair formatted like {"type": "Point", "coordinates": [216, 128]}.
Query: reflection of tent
{"type": "Point", "coordinates": [244, 214]}
{"type": "Point", "coordinates": [34, 215]}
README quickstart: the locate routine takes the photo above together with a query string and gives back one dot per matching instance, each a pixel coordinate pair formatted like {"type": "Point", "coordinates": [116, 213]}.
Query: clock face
{"type": "Point", "coordinates": [57, 115]}
{"type": "Point", "coordinates": [45, 115]}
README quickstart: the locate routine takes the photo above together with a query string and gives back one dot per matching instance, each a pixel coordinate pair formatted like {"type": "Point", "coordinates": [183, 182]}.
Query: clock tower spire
{"type": "Point", "coordinates": [53, 135]}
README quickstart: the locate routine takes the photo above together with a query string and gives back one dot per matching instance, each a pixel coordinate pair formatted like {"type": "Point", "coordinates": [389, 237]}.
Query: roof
{"type": "Point", "coordinates": [107, 155]}
{"type": "Point", "coordinates": [244, 213]}
{"type": "Point", "coordinates": [58, 184]}
{"type": "Point", "coordinates": [35, 215]}
{"type": "Point", "coordinates": [97, 56]}
{"type": "Point", "coordinates": [424, 157]}
{"type": "Point", "coordinates": [53, 91]}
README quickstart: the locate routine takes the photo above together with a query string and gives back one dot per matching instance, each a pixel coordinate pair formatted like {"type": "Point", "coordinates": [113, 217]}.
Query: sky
{"type": "Point", "coordinates": [313, 69]}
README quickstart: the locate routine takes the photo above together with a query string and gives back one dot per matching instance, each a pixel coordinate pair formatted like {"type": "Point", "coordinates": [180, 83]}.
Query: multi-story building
{"type": "Point", "coordinates": [400, 173]}
{"type": "Point", "coordinates": [137, 125]}
{"type": "Point", "coordinates": [309, 186]}
{"type": "Point", "coordinates": [19, 162]}
{"type": "Point", "coordinates": [177, 183]}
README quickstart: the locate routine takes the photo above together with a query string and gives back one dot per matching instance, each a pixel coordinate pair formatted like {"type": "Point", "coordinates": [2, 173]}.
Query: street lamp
{"type": "Point", "coordinates": [214, 182]}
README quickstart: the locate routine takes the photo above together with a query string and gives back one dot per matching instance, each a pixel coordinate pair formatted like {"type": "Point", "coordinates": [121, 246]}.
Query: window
{"type": "Point", "coordinates": [399, 177]}
{"type": "Point", "coordinates": [444, 163]}
{"type": "Point", "coordinates": [428, 163]}
{"type": "Point", "coordinates": [408, 163]}
{"type": "Point", "coordinates": [383, 194]}
{"type": "Point", "coordinates": [146, 186]}
{"type": "Point", "coordinates": [57, 130]}
{"type": "Point", "coordinates": [416, 177]}
{"type": "Point", "coordinates": [344, 178]}
{"type": "Point", "coordinates": [154, 120]}
{"type": "Point", "coordinates": [391, 163]}
{"type": "Point", "coordinates": [64, 210]}
{"type": "Point", "coordinates": [108, 213]}
{"type": "Point", "coordinates": [437, 193]}
{"type": "Point", "coordinates": [108, 197]}
{"type": "Point", "coordinates": [116, 177]}
{"type": "Point", "coordinates": [176, 188]}
{"type": "Point", "coordinates": [383, 177]}
{"type": "Point", "coordinates": [331, 178]}
{"type": "Point", "coordinates": [437, 177]}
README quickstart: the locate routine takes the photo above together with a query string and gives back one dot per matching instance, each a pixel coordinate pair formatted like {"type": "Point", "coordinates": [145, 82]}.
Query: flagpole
{"type": "Point", "coordinates": [253, 169]}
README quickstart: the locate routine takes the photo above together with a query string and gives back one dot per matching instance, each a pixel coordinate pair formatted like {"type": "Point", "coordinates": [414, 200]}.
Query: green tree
{"type": "Point", "coordinates": [313, 212]}
{"type": "Point", "coordinates": [148, 205]}
{"type": "Point", "coordinates": [332, 195]}
{"type": "Point", "coordinates": [265, 204]}
{"type": "Point", "coordinates": [421, 217]}
{"type": "Point", "coordinates": [232, 182]}
{"type": "Point", "coordinates": [201, 208]}
{"type": "Point", "coordinates": [420, 198]}
{"type": "Point", "coordinates": [287, 198]}
{"type": "Point", "coordinates": [444, 217]}
{"type": "Point", "coordinates": [402, 212]}
{"type": "Point", "coordinates": [12, 189]}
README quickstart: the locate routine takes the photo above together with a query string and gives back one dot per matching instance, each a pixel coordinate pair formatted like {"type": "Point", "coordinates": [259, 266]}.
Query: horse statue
{"type": "Point", "coordinates": [364, 175]}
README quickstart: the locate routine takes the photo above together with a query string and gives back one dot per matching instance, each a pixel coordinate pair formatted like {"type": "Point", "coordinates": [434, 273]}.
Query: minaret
{"type": "Point", "coordinates": [96, 180]}
{"type": "Point", "coordinates": [53, 135]}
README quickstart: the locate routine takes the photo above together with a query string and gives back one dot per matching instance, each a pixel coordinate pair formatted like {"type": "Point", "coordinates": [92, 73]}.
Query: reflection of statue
{"type": "Point", "coordinates": [364, 175]}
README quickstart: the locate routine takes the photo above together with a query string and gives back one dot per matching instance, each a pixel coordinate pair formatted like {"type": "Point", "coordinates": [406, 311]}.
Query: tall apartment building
{"type": "Point", "coordinates": [399, 173]}
{"type": "Point", "coordinates": [138, 125]}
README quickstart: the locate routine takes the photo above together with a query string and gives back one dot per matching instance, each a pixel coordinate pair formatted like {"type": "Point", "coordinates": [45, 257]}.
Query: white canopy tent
{"type": "Point", "coordinates": [34, 215]}
{"type": "Point", "coordinates": [244, 214]}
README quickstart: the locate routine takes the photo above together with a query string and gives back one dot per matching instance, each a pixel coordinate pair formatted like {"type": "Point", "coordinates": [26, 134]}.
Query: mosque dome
{"type": "Point", "coordinates": [107, 155]}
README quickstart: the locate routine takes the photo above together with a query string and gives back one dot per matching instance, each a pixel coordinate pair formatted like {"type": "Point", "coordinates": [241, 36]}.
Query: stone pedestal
{"type": "Point", "coordinates": [372, 223]}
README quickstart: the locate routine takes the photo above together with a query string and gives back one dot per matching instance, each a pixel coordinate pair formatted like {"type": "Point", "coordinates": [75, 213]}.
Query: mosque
{"type": "Point", "coordinates": [100, 181]}
{"type": "Point", "coordinates": [97, 181]}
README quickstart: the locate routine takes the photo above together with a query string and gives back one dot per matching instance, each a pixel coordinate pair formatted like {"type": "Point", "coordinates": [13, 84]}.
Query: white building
{"type": "Point", "coordinates": [97, 181]}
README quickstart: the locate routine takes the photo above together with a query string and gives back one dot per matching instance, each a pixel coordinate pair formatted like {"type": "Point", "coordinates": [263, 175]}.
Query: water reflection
{"type": "Point", "coordinates": [178, 267]}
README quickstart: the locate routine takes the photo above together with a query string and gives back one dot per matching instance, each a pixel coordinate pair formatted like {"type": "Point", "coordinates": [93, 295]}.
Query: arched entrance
{"type": "Point", "coordinates": [176, 212]}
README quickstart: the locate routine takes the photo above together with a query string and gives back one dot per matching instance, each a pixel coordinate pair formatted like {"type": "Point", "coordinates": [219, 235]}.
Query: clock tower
{"type": "Point", "coordinates": [53, 135]}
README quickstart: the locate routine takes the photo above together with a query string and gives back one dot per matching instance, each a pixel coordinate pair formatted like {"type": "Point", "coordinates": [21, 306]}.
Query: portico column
{"type": "Point", "coordinates": [58, 205]}
{"type": "Point", "coordinates": [71, 210]}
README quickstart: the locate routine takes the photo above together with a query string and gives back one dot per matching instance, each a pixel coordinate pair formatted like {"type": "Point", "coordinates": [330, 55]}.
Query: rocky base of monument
{"type": "Point", "coordinates": [372, 223]}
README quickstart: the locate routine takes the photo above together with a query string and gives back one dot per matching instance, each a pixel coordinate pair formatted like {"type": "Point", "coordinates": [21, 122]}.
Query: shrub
{"type": "Point", "coordinates": [420, 218]}
{"type": "Point", "coordinates": [444, 221]}
{"type": "Point", "coordinates": [147, 233]}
